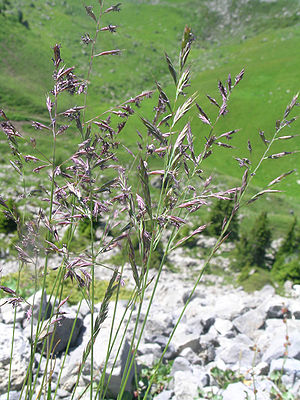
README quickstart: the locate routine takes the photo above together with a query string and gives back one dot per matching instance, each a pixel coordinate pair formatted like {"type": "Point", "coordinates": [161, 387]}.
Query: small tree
{"type": "Point", "coordinates": [252, 248]}
{"type": "Point", "coordinates": [220, 210]}
{"type": "Point", "coordinates": [291, 241]}
{"type": "Point", "coordinates": [287, 262]}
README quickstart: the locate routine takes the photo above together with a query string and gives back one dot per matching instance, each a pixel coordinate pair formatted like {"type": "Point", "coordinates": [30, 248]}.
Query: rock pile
{"type": "Point", "coordinates": [250, 334]}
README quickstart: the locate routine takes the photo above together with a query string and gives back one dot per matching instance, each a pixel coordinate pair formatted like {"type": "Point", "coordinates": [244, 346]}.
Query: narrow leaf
{"type": "Point", "coordinates": [212, 100]}
{"type": "Point", "coordinates": [239, 77]}
{"type": "Point", "coordinates": [184, 108]}
{"type": "Point", "coordinates": [153, 130]}
{"type": "Point", "coordinates": [89, 11]}
{"type": "Point", "coordinates": [131, 256]}
{"type": "Point", "coordinates": [282, 154]}
{"type": "Point", "coordinates": [164, 96]}
{"type": "Point", "coordinates": [171, 68]}
{"type": "Point", "coordinates": [279, 178]}
{"type": "Point", "coordinates": [145, 187]}
{"type": "Point", "coordinates": [291, 105]}
{"type": "Point", "coordinates": [257, 195]}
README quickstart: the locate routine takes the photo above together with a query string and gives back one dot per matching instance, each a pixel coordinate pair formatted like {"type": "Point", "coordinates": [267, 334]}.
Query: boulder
{"type": "Point", "coordinates": [20, 360]}
{"type": "Point", "coordinates": [250, 321]}
{"type": "Point", "coordinates": [236, 351]}
{"type": "Point", "coordinates": [185, 385]}
{"type": "Point", "coordinates": [60, 332]}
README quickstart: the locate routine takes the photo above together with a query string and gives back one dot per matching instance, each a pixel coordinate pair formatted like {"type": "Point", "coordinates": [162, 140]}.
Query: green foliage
{"type": "Point", "coordinates": [123, 255]}
{"type": "Point", "coordinates": [4, 4]}
{"type": "Point", "coordinates": [287, 268]}
{"type": "Point", "coordinates": [145, 44]}
{"type": "Point", "coordinates": [82, 236]}
{"type": "Point", "coordinates": [72, 289]}
{"type": "Point", "coordinates": [287, 262]}
{"type": "Point", "coordinates": [160, 381]}
{"type": "Point", "coordinates": [254, 278]}
{"type": "Point", "coordinates": [84, 227]}
{"type": "Point", "coordinates": [292, 240]}
{"type": "Point", "coordinates": [221, 209]}
{"type": "Point", "coordinates": [224, 378]}
{"type": "Point", "coordinates": [251, 250]}
{"type": "Point", "coordinates": [26, 288]}
{"type": "Point", "coordinates": [280, 391]}
{"type": "Point", "coordinates": [7, 217]}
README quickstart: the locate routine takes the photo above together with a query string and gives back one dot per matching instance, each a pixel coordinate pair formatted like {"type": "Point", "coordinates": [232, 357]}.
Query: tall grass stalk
{"type": "Point", "coordinates": [123, 199]}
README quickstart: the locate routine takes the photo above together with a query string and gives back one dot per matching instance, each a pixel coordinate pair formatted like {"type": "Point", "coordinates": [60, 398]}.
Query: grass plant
{"type": "Point", "coordinates": [95, 182]}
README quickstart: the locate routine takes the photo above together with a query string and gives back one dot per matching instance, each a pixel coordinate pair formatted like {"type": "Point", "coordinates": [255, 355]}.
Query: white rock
{"type": "Point", "coordinates": [249, 322]}
{"type": "Point", "coordinates": [185, 386]}
{"type": "Point", "coordinates": [223, 326]}
{"type": "Point", "coordinates": [20, 360]}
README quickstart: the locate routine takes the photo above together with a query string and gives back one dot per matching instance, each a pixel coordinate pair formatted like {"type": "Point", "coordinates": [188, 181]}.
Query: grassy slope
{"type": "Point", "coordinates": [245, 36]}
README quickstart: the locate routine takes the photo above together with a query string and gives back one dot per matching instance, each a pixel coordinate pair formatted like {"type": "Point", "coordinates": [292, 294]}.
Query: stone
{"type": "Point", "coordinates": [36, 300]}
{"type": "Point", "coordinates": [183, 339]}
{"type": "Point", "coordinates": [161, 340]}
{"type": "Point", "coordinates": [13, 395]}
{"type": "Point", "coordinates": [21, 356]}
{"type": "Point", "coordinates": [276, 311]}
{"type": "Point", "coordinates": [236, 351]}
{"type": "Point", "coordinates": [145, 360]}
{"type": "Point", "coordinates": [185, 386]}
{"type": "Point", "coordinates": [165, 395]}
{"type": "Point", "coordinates": [201, 375]}
{"type": "Point", "coordinates": [288, 366]}
{"type": "Point", "coordinates": [262, 368]}
{"type": "Point", "coordinates": [272, 341]}
{"type": "Point", "coordinates": [190, 355]}
{"type": "Point", "coordinates": [223, 326]}
{"type": "Point", "coordinates": [237, 390]}
{"type": "Point", "coordinates": [150, 348]}
{"type": "Point", "coordinates": [62, 332]}
{"type": "Point", "coordinates": [180, 364]}
{"type": "Point", "coordinates": [249, 322]}
{"type": "Point", "coordinates": [116, 361]}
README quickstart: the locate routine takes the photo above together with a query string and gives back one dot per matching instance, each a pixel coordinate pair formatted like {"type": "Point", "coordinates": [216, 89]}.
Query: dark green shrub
{"type": "Point", "coordinates": [221, 209]}
{"type": "Point", "coordinates": [251, 250]}
{"type": "Point", "coordinates": [7, 217]}
{"type": "Point", "coordinates": [123, 255]}
{"type": "Point", "coordinates": [82, 236]}
{"type": "Point", "coordinates": [291, 242]}
{"type": "Point", "coordinates": [287, 268]}
{"type": "Point", "coordinates": [287, 262]}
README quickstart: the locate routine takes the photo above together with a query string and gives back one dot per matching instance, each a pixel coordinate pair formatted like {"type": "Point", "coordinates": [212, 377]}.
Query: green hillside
{"type": "Point", "coordinates": [260, 36]}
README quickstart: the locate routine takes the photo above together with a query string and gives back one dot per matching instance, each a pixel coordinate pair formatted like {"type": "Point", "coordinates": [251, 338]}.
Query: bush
{"type": "Point", "coordinates": [287, 268]}
{"type": "Point", "coordinates": [287, 262]}
{"type": "Point", "coordinates": [8, 217]}
{"type": "Point", "coordinates": [291, 242]}
{"type": "Point", "coordinates": [220, 210]}
{"type": "Point", "coordinates": [251, 250]}
{"type": "Point", "coordinates": [123, 255]}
